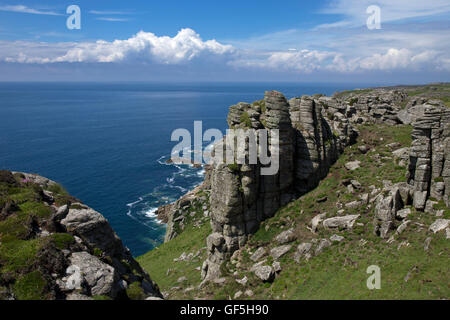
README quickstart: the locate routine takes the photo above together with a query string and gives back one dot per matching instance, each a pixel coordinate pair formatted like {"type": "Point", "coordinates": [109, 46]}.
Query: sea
{"type": "Point", "coordinates": [108, 143]}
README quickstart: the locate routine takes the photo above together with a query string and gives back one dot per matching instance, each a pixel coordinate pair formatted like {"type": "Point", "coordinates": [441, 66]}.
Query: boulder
{"type": "Point", "coordinates": [276, 266]}
{"type": "Point", "coordinates": [402, 227]}
{"type": "Point", "coordinates": [265, 273]}
{"type": "Point", "coordinates": [353, 205]}
{"type": "Point", "coordinates": [352, 165]}
{"type": "Point", "coordinates": [336, 238]}
{"type": "Point", "coordinates": [403, 213]}
{"type": "Point", "coordinates": [323, 243]}
{"type": "Point", "coordinates": [439, 224]}
{"type": "Point", "coordinates": [258, 254]}
{"type": "Point", "coordinates": [286, 236]}
{"type": "Point", "coordinates": [316, 220]}
{"type": "Point", "coordinates": [280, 251]}
{"type": "Point", "coordinates": [345, 222]}
{"type": "Point", "coordinates": [363, 149]}
{"type": "Point", "coordinates": [249, 293]}
{"type": "Point", "coordinates": [94, 229]}
{"type": "Point", "coordinates": [302, 251]}
{"type": "Point", "coordinates": [86, 270]}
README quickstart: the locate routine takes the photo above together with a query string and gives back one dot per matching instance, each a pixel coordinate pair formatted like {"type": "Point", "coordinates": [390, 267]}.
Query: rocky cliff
{"type": "Point", "coordinates": [313, 132]}
{"type": "Point", "coordinates": [52, 246]}
{"type": "Point", "coordinates": [241, 198]}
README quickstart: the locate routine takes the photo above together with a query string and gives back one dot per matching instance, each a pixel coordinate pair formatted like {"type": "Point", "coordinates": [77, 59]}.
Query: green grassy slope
{"type": "Point", "coordinates": [165, 272]}
{"type": "Point", "coordinates": [21, 251]}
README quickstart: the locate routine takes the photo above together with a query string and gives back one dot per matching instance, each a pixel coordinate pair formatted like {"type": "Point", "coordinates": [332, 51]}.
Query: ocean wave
{"type": "Point", "coordinates": [185, 177]}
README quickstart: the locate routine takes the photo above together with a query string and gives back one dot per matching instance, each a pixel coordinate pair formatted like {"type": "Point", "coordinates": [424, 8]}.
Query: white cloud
{"type": "Point", "coordinates": [306, 61]}
{"type": "Point", "coordinates": [25, 9]}
{"type": "Point", "coordinates": [354, 55]}
{"type": "Point", "coordinates": [144, 46]}
{"type": "Point", "coordinates": [397, 59]}
{"type": "Point", "coordinates": [300, 61]}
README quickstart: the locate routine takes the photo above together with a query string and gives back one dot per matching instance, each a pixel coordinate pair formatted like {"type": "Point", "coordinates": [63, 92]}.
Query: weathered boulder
{"type": "Point", "coordinates": [336, 238]}
{"type": "Point", "coordinates": [258, 254]}
{"type": "Point", "coordinates": [323, 243]}
{"type": "Point", "coordinates": [386, 210]}
{"type": "Point", "coordinates": [403, 213]}
{"type": "Point", "coordinates": [265, 273]}
{"type": "Point", "coordinates": [345, 222]}
{"type": "Point", "coordinates": [89, 274]}
{"type": "Point", "coordinates": [316, 221]}
{"type": "Point", "coordinates": [352, 165]}
{"type": "Point", "coordinates": [93, 228]}
{"type": "Point", "coordinates": [402, 227]}
{"type": "Point", "coordinates": [286, 236]}
{"type": "Point", "coordinates": [303, 251]}
{"type": "Point", "coordinates": [280, 251]}
{"type": "Point", "coordinates": [439, 224]}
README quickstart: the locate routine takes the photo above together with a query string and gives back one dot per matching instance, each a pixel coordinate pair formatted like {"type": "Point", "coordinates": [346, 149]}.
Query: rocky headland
{"type": "Point", "coordinates": [314, 133]}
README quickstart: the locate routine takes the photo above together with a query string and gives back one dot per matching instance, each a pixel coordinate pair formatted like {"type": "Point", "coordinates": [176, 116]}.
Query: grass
{"type": "Point", "coordinates": [37, 209]}
{"type": "Point", "coordinates": [160, 259]}
{"type": "Point", "coordinates": [31, 286]}
{"type": "Point", "coordinates": [348, 92]}
{"type": "Point", "coordinates": [245, 120]}
{"type": "Point", "coordinates": [62, 240]}
{"type": "Point", "coordinates": [135, 292]}
{"type": "Point", "coordinates": [19, 255]}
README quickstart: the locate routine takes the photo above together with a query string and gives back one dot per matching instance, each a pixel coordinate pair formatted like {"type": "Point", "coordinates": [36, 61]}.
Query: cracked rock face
{"type": "Point", "coordinates": [429, 167]}
{"type": "Point", "coordinates": [89, 274]}
{"type": "Point", "coordinates": [241, 197]}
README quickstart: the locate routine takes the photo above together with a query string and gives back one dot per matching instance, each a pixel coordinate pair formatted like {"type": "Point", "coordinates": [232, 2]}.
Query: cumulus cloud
{"type": "Point", "coordinates": [144, 46]}
{"type": "Point", "coordinates": [187, 47]}
{"type": "Point", "coordinates": [391, 60]}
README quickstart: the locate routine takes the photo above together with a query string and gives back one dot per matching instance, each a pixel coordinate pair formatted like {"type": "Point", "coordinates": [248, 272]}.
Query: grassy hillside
{"type": "Point", "coordinates": [408, 271]}
{"type": "Point", "coordinates": [23, 253]}
{"type": "Point", "coordinates": [165, 271]}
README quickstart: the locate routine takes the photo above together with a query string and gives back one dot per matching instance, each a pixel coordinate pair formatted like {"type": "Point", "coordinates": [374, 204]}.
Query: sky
{"type": "Point", "coordinates": [338, 41]}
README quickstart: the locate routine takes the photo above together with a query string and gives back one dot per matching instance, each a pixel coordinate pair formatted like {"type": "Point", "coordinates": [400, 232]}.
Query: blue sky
{"type": "Point", "coordinates": [306, 41]}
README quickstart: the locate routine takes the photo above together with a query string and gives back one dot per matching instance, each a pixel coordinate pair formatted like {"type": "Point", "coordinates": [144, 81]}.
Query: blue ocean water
{"type": "Point", "coordinates": [107, 143]}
